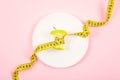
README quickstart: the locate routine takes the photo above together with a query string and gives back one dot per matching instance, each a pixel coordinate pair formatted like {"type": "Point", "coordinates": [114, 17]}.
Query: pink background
{"type": "Point", "coordinates": [17, 22]}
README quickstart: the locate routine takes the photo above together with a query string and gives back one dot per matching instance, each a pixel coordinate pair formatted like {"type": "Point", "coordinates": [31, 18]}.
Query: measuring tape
{"type": "Point", "coordinates": [58, 43]}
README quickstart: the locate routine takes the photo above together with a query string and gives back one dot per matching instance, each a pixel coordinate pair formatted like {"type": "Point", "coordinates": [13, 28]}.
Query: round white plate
{"type": "Point", "coordinates": [76, 47]}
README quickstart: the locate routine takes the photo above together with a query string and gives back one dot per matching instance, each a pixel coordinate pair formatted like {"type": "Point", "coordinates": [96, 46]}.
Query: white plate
{"type": "Point", "coordinates": [76, 47]}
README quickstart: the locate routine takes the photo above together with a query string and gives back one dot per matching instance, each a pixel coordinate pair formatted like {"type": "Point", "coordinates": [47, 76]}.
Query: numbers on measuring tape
{"type": "Point", "coordinates": [33, 58]}
{"type": "Point", "coordinates": [92, 23]}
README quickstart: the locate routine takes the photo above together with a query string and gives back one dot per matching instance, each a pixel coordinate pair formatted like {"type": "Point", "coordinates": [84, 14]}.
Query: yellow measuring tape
{"type": "Point", "coordinates": [58, 43]}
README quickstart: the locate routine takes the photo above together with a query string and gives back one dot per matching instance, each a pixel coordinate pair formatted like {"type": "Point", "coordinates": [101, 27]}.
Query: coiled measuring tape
{"type": "Point", "coordinates": [59, 35]}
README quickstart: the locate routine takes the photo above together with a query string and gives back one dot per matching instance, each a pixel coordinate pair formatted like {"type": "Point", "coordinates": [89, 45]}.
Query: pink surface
{"type": "Point", "coordinates": [17, 22]}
